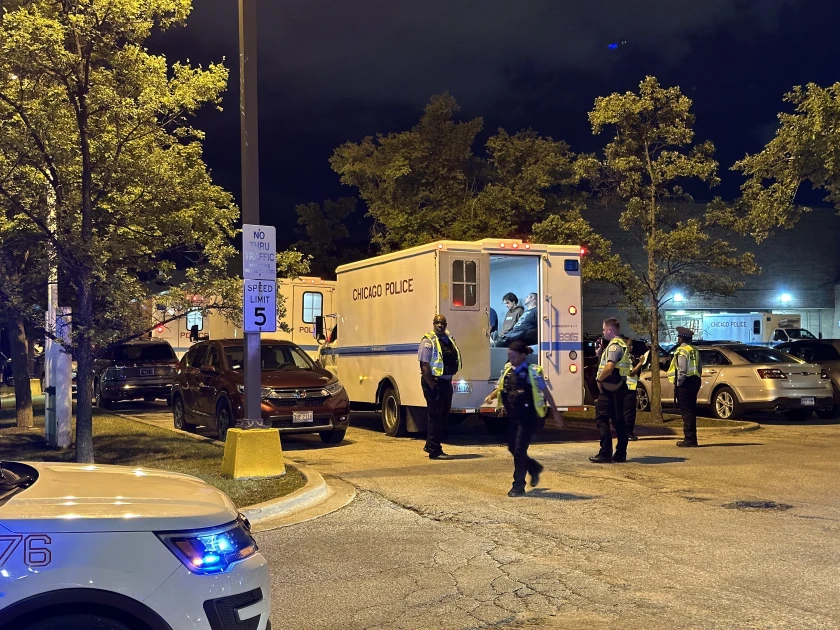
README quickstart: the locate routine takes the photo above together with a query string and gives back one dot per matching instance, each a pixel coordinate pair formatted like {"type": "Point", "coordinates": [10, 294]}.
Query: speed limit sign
{"type": "Point", "coordinates": [260, 306]}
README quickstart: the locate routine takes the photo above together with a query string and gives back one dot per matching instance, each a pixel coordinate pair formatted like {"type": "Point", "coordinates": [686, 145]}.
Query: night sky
{"type": "Point", "coordinates": [338, 70]}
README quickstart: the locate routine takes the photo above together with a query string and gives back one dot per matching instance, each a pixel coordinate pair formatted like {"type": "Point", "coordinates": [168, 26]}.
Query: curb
{"type": "Point", "coordinates": [314, 492]}
{"type": "Point", "coordinates": [742, 425]}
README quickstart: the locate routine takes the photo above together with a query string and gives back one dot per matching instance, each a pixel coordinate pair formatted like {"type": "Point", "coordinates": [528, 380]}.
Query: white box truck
{"type": "Point", "coordinates": [757, 328]}
{"type": "Point", "coordinates": [304, 299]}
{"type": "Point", "coordinates": [387, 303]}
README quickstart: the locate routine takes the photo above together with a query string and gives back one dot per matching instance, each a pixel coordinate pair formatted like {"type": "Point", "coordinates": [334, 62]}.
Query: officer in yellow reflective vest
{"type": "Point", "coordinates": [440, 360]}
{"type": "Point", "coordinates": [684, 373]}
{"type": "Point", "coordinates": [612, 385]}
{"type": "Point", "coordinates": [630, 402]}
{"type": "Point", "coordinates": [522, 392]}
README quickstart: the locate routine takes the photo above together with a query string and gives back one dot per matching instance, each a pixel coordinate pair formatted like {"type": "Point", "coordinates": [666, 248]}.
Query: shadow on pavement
{"type": "Point", "coordinates": [542, 493]}
{"type": "Point", "coordinates": [462, 456]}
{"type": "Point", "coordinates": [653, 459]}
{"type": "Point", "coordinates": [732, 444]}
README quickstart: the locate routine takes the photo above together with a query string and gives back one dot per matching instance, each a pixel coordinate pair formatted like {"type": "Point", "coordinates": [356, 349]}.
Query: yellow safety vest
{"type": "Point", "coordinates": [693, 360]}
{"type": "Point", "coordinates": [624, 364]}
{"type": "Point", "coordinates": [534, 371]}
{"type": "Point", "coordinates": [436, 362]}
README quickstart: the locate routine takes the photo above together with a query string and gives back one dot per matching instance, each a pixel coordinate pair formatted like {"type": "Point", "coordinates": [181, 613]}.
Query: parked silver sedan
{"type": "Point", "coordinates": [825, 352]}
{"type": "Point", "coordinates": [739, 379]}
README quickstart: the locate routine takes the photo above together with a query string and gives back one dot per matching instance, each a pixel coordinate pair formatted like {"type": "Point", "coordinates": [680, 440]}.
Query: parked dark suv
{"type": "Point", "coordinates": [298, 396]}
{"type": "Point", "coordinates": [137, 369]}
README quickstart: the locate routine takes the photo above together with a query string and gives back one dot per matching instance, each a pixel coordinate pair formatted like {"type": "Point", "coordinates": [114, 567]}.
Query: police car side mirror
{"type": "Point", "coordinates": [319, 333]}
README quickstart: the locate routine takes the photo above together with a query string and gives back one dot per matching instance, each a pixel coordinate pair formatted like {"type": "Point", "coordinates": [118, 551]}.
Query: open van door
{"type": "Point", "coordinates": [464, 299]}
{"type": "Point", "coordinates": [561, 335]}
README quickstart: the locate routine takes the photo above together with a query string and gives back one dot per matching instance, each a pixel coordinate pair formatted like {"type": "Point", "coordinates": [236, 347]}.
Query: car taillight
{"type": "Point", "coordinates": [774, 373]}
{"type": "Point", "coordinates": [824, 375]}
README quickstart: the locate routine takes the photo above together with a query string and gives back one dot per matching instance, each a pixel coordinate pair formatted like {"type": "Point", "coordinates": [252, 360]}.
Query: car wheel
{"type": "Point", "coordinates": [224, 420]}
{"type": "Point", "coordinates": [179, 416]}
{"type": "Point", "coordinates": [725, 404]}
{"type": "Point", "coordinates": [149, 398]}
{"type": "Point", "coordinates": [798, 415]}
{"type": "Point", "coordinates": [393, 414]}
{"type": "Point", "coordinates": [101, 401]}
{"type": "Point", "coordinates": [333, 437]}
{"type": "Point", "coordinates": [496, 425]}
{"type": "Point", "coordinates": [77, 622]}
{"type": "Point", "coordinates": [642, 399]}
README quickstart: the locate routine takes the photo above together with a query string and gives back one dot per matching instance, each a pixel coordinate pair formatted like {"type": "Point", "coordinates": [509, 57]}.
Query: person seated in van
{"type": "Point", "coordinates": [494, 321]}
{"type": "Point", "coordinates": [514, 312]}
{"type": "Point", "coordinates": [525, 328]}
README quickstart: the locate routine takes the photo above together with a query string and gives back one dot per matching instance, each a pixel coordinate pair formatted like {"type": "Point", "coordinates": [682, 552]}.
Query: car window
{"type": "Point", "coordinates": [272, 358]}
{"type": "Point", "coordinates": [755, 354]}
{"type": "Point", "coordinates": [799, 333]}
{"type": "Point", "coordinates": [789, 348]}
{"type": "Point", "coordinates": [188, 358]}
{"type": "Point", "coordinates": [143, 352]}
{"type": "Point", "coordinates": [821, 352]}
{"type": "Point", "coordinates": [713, 357]}
{"type": "Point", "coordinates": [199, 356]}
{"type": "Point", "coordinates": [779, 335]}
{"type": "Point", "coordinates": [214, 360]}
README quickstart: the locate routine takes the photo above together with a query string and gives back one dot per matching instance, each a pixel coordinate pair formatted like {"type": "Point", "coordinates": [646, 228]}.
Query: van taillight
{"type": "Point", "coordinates": [774, 373]}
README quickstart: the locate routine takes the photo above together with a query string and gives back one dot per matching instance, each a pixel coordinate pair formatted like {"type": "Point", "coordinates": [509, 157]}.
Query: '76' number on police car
{"type": "Point", "coordinates": [36, 552]}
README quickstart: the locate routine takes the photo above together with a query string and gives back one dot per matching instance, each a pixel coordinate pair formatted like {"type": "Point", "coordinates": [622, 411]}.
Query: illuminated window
{"type": "Point", "coordinates": [464, 283]}
{"type": "Point", "coordinates": [195, 318]}
{"type": "Point", "coordinates": [313, 306]}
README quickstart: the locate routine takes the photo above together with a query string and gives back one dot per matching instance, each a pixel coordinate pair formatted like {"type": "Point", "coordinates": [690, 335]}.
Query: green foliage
{"type": "Point", "coordinates": [645, 165]}
{"type": "Point", "coordinates": [427, 184]}
{"type": "Point", "coordinates": [806, 148]}
{"type": "Point", "coordinates": [324, 234]}
{"type": "Point", "coordinates": [94, 125]}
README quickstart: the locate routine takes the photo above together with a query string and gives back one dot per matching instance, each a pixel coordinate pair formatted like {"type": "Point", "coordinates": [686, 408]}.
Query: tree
{"type": "Point", "coordinates": [94, 127]}
{"type": "Point", "coordinates": [427, 184]}
{"type": "Point", "coordinates": [650, 157]}
{"type": "Point", "coordinates": [325, 235]}
{"type": "Point", "coordinates": [806, 148]}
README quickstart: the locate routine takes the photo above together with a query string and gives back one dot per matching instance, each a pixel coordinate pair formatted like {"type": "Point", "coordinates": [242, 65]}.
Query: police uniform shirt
{"type": "Point", "coordinates": [517, 395]}
{"type": "Point", "coordinates": [450, 356]}
{"type": "Point", "coordinates": [614, 354]}
{"type": "Point", "coordinates": [682, 368]}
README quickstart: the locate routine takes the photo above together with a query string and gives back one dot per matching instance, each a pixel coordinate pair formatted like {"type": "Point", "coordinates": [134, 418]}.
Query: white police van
{"type": "Point", "coordinates": [89, 547]}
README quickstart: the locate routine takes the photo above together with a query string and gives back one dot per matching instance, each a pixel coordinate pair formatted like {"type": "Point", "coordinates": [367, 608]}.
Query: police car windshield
{"type": "Point", "coordinates": [799, 333]}
{"type": "Point", "coordinates": [272, 358]}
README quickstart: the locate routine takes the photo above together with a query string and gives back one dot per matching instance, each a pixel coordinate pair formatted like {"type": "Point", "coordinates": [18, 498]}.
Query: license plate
{"type": "Point", "coordinates": [147, 371]}
{"type": "Point", "coordinates": [302, 416]}
{"type": "Point", "coordinates": [462, 387]}
{"type": "Point", "coordinates": [808, 402]}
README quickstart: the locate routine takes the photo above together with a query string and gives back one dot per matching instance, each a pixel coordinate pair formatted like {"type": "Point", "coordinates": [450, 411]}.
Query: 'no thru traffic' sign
{"type": "Point", "coordinates": [259, 268]}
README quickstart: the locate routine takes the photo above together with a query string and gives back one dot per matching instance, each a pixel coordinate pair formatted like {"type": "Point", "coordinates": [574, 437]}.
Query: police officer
{"type": "Point", "coordinates": [522, 392]}
{"type": "Point", "coordinates": [612, 374]}
{"type": "Point", "coordinates": [440, 360]}
{"type": "Point", "coordinates": [684, 373]}
{"type": "Point", "coordinates": [630, 403]}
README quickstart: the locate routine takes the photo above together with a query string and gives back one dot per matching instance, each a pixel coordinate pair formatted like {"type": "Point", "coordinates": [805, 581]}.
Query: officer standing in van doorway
{"type": "Point", "coordinates": [612, 374]}
{"type": "Point", "coordinates": [440, 360]}
{"type": "Point", "coordinates": [684, 373]}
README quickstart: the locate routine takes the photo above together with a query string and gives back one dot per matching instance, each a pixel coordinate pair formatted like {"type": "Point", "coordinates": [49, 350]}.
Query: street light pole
{"type": "Point", "coordinates": [249, 129]}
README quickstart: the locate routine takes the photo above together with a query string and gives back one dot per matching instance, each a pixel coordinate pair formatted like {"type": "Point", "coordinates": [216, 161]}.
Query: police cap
{"type": "Point", "coordinates": [682, 331]}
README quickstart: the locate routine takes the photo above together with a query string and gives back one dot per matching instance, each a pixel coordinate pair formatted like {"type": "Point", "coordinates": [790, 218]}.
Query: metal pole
{"type": "Point", "coordinates": [249, 129]}
{"type": "Point", "coordinates": [51, 348]}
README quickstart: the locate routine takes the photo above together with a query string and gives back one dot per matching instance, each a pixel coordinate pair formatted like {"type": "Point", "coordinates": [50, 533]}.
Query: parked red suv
{"type": "Point", "coordinates": [298, 396]}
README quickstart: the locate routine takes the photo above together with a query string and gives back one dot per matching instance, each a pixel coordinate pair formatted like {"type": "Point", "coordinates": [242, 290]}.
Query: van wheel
{"type": "Point", "coordinates": [725, 404]}
{"type": "Point", "coordinates": [496, 425]}
{"type": "Point", "coordinates": [179, 416]}
{"type": "Point", "coordinates": [224, 419]}
{"type": "Point", "coordinates": [642, 398]}
{"type": "Point", "coordinates": [393, 414]}
{"type": "Point", "coordinates": [77, 622]}
{"type": "Point", "coordinates": [333, 437]}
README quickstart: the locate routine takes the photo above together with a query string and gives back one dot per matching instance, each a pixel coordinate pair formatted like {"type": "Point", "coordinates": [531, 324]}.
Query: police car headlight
{"type": "Point", "coordinates": [211, 551]}
{"type": "Point", "coordinates": [333, 388]}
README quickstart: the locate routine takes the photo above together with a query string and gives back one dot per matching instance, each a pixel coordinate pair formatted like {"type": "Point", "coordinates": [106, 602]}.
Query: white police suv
{"type": "Point", "coordinates": [115, 548]}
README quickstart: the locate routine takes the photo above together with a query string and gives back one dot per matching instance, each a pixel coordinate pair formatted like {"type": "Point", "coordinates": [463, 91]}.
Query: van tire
{"type": "Point", "coordinates": [393, 413]}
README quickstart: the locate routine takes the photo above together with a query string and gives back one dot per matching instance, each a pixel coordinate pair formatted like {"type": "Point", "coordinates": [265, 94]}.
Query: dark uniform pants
{"type": "Point", "coordinates": [630, 411]}
{"type": "Point", "coordinates": [520, 432]}
{"type": "Point", "coordinates": [687, 400]}
{"type": "Point", "coordinates": [438, 402]}
{"type": "Point", "coordinates": [610, 408]}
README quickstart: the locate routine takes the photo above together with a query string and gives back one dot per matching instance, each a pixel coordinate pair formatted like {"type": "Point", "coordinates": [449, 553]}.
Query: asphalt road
{"type": "Point", "coordinates": [667, 540]}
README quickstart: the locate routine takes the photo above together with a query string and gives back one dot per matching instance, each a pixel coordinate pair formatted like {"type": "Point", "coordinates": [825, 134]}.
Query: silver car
{"type": "Point", "coordinates": [739, 379]}
{"type": "Point", "coordinates": [825, 352]}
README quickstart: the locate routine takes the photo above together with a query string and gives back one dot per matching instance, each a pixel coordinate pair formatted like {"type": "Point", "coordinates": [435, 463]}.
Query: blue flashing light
{"type": "Point", "coordinates": [613, 46]}
{"type": "Point", "coordinates": [211, 551]}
